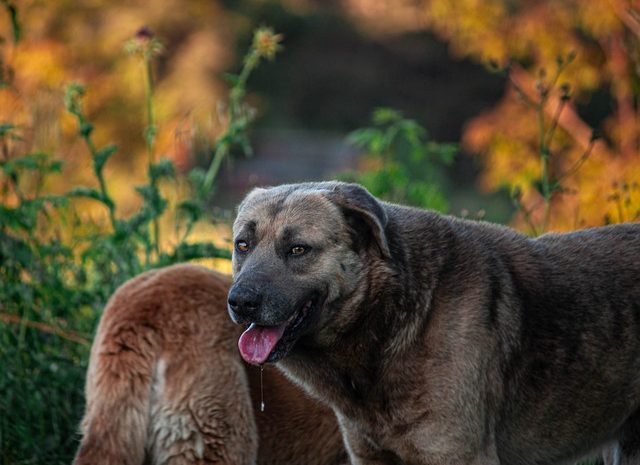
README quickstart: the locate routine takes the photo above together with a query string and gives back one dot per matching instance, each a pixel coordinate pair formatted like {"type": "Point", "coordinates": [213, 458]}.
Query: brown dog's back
{"type": "Point", "coordinates": [166, 385]}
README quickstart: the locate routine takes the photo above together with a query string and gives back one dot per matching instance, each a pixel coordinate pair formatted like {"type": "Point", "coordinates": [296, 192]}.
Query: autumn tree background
{"type": "Point", "coordinates": [593, 155]}
{"type": "Point", "coordinates": [537, 99]}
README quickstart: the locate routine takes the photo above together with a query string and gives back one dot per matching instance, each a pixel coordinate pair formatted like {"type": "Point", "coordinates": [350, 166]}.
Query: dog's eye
{"type": "Point", "coordinates": [298, 250]}
{"type": "Point", "coordinates": [242, 246]}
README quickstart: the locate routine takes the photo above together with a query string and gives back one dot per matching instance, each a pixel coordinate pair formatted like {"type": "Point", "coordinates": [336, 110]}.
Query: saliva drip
{"type": "Point", "coordinates": [261, 390]}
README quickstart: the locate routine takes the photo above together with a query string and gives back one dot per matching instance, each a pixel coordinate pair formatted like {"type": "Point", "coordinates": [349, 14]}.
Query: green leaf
{"type": "Point", "coordinates": [365, 138]}
{"type": "Point", "coordinates": [72, 95]}
{"type": "Point", "coordinates": [162, 169]}
{"type": "Point", "coordinates": [410, 162]}
{"type": "Point", "coordinates": [55, 200]}
{"type": "Point", "coordinates": [192, 209]}
{"type": "Point", "coordinates": [16, 30]}
{"type": "Point", "coordinates": [22, 217]}
{"type": "Point", "coordinates": [412, 129]}
{"type": "Point", "coordinates": [6, 128]}
{"type": "Point", "coordinates": [153, 200]}
{"type": "Point", "coordinates": [86, 129]}
{"type": "Point", "coordinates": [135, 222]}
{"type": "Point", "coordinates": [103, 155]}
{"type": "Point", "coordinates": [244, 143]}
{"type": "Point", "coordinates": [54, 166]}
{"type": "Point", "coordinates": [196, 178]}
{"type": "Point", "coordinates": [30, 162]}
{"type": "Point", "coordinates": [150, 133]}
{"type": "Point", "coordinates": [90, 193]}
{"type": "Point", "coordinates": [232, 79]}
{"type": "Point", "coordinates": [160, 205]}
{"type": "Point", "coordinates": [191, 251]}
{"type": "Point", "coordinates": [147, 192]}
{"type": "Point", "coordinates": [16, 250]}
{"type": "Point", "coordinates": [383, 115]}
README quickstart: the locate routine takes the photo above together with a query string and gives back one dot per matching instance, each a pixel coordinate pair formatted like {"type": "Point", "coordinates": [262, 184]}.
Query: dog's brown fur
{"type": "Point", "coordinates": [444, 341]}
{"type": "Point", "coordinates": [165, 385]}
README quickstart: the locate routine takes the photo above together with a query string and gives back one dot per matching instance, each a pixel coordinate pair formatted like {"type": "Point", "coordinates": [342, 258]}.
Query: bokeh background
{"type": "Point", "coordinates": [431, 60]}
{"type": "Point", "coordinates": [522, 112]}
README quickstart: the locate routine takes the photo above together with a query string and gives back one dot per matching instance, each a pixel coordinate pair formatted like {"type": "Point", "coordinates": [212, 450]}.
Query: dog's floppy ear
{"type": "Point", "coordinates": [363, 213]}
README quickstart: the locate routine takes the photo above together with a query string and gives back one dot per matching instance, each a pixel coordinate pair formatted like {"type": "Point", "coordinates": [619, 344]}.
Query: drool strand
{"type": "Point", "coordinates": [261, 390]}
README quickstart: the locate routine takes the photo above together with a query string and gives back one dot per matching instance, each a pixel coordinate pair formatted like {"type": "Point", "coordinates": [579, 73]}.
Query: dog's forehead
{"type": "Point", "coordinates": [270, 211]}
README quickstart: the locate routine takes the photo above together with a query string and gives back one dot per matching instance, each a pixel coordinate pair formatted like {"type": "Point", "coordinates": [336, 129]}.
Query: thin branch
{"type": "Point", "coordinates": [569, 120]}
{"type": "Point", "coordinates": [579, 162]}
{"type": "Point", "coordinates": [554, 122]}
{"type": "Point", "coordinates": [627, 16]}
{"type": "Point", "coordinates": [45, 328]}
{"type": "Point", "coordinates": [618, 64]}
{"type": "Point", "coordinates": [526, 213]}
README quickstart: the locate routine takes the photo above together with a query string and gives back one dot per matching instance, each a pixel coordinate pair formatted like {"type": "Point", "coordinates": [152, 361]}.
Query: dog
{"type": "Point", "coordinates": [438, 340]}
{"type": "Point", "coordinates": [166, 385]}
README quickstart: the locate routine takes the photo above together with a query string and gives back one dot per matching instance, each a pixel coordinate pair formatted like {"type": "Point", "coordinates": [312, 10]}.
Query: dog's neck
{"type": "Point", "coordinates": [348, 375]}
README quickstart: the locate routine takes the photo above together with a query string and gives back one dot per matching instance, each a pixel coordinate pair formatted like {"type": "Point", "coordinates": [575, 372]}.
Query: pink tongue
{"type": "Point", "coordinates": [257, 342]}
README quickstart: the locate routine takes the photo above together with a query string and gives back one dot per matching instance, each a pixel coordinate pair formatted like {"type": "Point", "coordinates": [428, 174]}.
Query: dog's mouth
{"type": "Point", "coordinates": [260, 344]}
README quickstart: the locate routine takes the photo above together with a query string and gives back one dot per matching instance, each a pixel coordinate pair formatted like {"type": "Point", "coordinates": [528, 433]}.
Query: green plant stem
{"type": "Point", "coordinates": [576, 166]}
{"type": "Point", "coordinates": [151, 128]}
{"type": "Point", "coordinates": [111, 206]}
{"type": "Point", "coordinates": [249, 64]}
{"type": "Point", "coordinates": [545, 140]}
{"type": "Point", "coordinates": [544, 156]}
{"type": "Point", "coordinates": [5, 155]}
{"type": "Point", "coordinates": [236, 95]}
{"type": "Point", "coordinates": [221, 151]}
{"type": "Point", "coordinates": [11, 181]}
{"type": "Point", "coordinates": [16, 29]}
{"type": "Point", "coordinates": [101, 182]}
{"type": "Point", "coordinates": [150, 137]}
{"type": "Point", "coordinates": [554, 122]}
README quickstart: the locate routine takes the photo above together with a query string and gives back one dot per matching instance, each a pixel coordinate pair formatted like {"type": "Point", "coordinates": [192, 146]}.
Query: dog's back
{"type": "Point", "coordinates": [165, 383]}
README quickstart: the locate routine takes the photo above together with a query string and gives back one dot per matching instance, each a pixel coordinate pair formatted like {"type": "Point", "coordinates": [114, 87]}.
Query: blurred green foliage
{"type": "Point", "coordinates": [402, 164]}
{"type": "Point", "coordinates": [57, 269]}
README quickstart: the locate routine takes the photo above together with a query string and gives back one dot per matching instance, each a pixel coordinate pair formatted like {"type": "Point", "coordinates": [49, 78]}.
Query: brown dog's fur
{"type": "Point", "coordinates": [165, 385]}
{"type": "Point", "coordinates": [444, 341]}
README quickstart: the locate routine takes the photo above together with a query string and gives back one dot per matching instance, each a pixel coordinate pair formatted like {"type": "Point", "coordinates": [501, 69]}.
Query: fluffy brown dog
{"type": "Point", "coordinates": [165, 385]}
{"type": "Point", "coordinates": [443, 341]}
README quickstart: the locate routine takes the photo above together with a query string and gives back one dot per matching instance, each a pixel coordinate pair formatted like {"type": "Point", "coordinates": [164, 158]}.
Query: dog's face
{"type": "Point", "coordinates": [300, 255]}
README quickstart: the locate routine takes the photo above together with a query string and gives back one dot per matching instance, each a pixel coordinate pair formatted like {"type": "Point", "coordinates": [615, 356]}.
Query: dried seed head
{"type": "Point", "coordinates": [144, 43]}
{"type": "Point", "coordinates": [266, 43]}
{"type": "Point", "coordinates": [144, 35]}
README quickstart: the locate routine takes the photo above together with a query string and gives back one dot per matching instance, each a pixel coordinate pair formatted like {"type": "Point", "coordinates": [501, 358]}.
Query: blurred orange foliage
{"type": "Point", "coordinates": [527, 38]}
{"type": "Point", "coordinates": [64, 42]}
{"type": "Point", "coordinates": [82, 41]}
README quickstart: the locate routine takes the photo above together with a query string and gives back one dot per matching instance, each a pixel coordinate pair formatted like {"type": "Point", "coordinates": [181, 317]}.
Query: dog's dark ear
{"type": "Point", "coordinates": [364, 214]}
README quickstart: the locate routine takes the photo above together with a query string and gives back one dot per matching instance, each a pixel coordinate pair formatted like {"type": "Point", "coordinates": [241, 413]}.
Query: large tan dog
{"type": "Point", "coordinates": [166, 385]}
{"type": "Point", "coordinates": [443, 341]}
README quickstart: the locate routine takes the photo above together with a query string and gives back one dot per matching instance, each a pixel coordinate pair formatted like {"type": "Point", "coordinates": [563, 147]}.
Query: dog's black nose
{"type": "Point", "coordinates": [244, 304]}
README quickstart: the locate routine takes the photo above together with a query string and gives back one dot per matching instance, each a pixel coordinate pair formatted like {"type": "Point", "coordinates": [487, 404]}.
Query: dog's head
{"type": "Point", "coordinates": [301, 254]}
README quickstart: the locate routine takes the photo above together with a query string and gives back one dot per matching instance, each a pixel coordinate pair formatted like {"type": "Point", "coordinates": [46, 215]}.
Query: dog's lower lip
{"type": "Point", "coordinates": [294, 320]}
{"type": "Point", "coordinates": [294, 324]}
{"type": "Point", "coordinates": [298, 317]}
